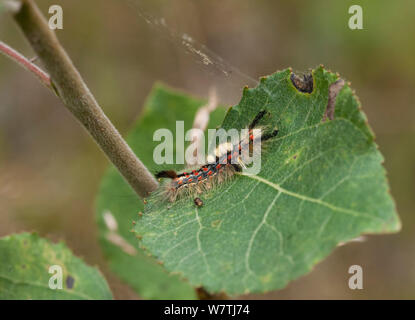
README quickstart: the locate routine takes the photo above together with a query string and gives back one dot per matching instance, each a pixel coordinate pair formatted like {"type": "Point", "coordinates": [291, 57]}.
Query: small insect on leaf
{"type": "Point", "coordinates": [198, 202]}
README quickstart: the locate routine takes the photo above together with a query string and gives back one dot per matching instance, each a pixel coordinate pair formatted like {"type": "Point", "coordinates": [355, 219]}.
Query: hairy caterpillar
{"type": "Point", "coordinates": [228, 159]}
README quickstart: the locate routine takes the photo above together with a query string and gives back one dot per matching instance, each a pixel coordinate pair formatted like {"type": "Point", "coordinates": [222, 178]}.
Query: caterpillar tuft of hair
{"type": "Point", "coordinates": [228, 159]}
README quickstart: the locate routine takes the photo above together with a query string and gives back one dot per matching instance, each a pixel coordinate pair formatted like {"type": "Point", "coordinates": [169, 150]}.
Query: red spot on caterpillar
{"type": "Point", "coordinates": [190, 180]}
{"type": "Point", "coordinates": [218, 166]}
{"type": "Point", "coordinates": [200, 178]}
{"type": "Point", "coordinates": [210, 172]}
{"type": "Point", "coordinates": [251, 137]}
{"type": "Point", "coordinates": [230, 157]}
{"type": "Point", "coordinates": [205, 169]}
{"type": "Point", "coordinates": [187, 176]}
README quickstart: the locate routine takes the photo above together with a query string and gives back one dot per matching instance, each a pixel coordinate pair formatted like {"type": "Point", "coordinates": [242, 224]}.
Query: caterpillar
{"type": "Point", "coordinates": [228, 159]}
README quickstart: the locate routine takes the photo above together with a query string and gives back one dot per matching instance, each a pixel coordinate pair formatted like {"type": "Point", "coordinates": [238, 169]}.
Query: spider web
{"type": "Point", "coordinates": [211, 64]}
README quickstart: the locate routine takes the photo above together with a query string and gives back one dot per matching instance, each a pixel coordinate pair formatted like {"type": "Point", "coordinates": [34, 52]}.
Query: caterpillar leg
{"type": "Point", "coordinates": [257, 118]}
{"type": "Point", "coordinates": [166, 174]}
{"type": "Point", "coordinates": [269, 135]}
{"type": "Point", "coordinates": [238, 167]}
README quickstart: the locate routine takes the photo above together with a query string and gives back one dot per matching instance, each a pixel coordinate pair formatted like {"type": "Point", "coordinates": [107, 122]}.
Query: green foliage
{"type": "Point", "coordinates": [24, 271]}
{"type": "Point", "coordinates": [143, 273]}
{"type": "Point", "coordinates": [321, 183]}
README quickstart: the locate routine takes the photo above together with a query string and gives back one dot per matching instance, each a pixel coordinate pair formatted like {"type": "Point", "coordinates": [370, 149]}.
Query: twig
{"type": "Point", "coordinates": [76, 96]}
{"type": "Point", "coordinates": [26, 63]}
{"type": "Point", "coordinates": [114, 237]}
{"type": "Point", "coordinates": [201, 120]}
{"type": "Point", "coordinates": [202, 116]}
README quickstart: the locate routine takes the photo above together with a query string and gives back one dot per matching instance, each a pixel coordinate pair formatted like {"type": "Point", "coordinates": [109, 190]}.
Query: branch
{"type": "Point", "coordinates": [26, 63]}
{"type": "Point", "coordinates": [201, 121]}
{"type": "Point", "coordinates": [76, 96]}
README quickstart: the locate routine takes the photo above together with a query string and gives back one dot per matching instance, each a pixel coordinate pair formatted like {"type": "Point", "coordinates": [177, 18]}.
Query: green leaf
{"type": "Point", "coordinates": [24, 271]}
{"type": "Point", "coordinates": [117, 200]}
{"type": "Point", "coordinates": [321, 183]}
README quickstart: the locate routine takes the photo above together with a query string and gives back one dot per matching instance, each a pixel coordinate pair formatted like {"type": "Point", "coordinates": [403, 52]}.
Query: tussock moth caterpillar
{"type": "Point", "coordinates": [228, 159]}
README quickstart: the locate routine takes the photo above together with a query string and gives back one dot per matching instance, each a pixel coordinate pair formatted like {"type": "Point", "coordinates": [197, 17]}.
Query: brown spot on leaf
{"type": "Point", "coordinates": [331, 104]}
{"type": "Point", "coordinates": [70, 282]}
{"type": "Point", "coordinates": [303, 83]}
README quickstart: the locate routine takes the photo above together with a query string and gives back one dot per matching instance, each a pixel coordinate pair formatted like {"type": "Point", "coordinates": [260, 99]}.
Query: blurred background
{"type": "Point", "coordinates": [50, 169]}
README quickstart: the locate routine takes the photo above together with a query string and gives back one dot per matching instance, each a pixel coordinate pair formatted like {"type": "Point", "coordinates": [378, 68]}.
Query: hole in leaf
{"type": "Point", "coordinates": [70, 282]}
{"type": "Point", "coordinates": [303, 83]}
